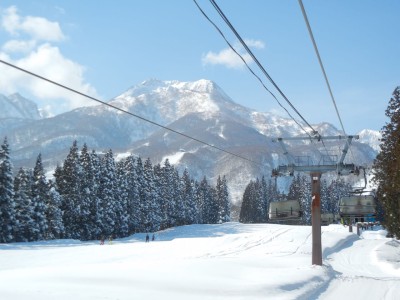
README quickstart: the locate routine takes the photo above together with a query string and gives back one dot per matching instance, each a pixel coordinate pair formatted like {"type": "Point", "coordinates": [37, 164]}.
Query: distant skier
{"type": "Point", "coordinates": [153, 237]}
{"type": "Point", "coordinates": [147, 238]}
{"type": "Point", "coordinates": [102, 241]}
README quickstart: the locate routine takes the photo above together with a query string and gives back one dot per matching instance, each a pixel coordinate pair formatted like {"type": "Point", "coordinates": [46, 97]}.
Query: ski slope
{"type": "Point", "coordinates": [227, 261]}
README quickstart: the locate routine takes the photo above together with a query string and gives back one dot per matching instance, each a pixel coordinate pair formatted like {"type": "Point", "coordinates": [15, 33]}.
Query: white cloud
{"type": "Point", "coordinates": [47, 61]}
{"type": "Point", "coordinates": [225, 57]}
{"type": "Point", "coordinates": [37, 54]}
{"type": "Point", "coordinates": [255, 44]}
{"type": "Point", "coordinates": [19, 46]}
{"type": "Point", "coordinates": [228, 58]}
{"type": "Point", "coordinates": [38, 28]}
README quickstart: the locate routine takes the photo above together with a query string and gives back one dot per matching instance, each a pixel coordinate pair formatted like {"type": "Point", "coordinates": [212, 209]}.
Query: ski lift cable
{"type": "Point", "coordinates": [126, 112]}
{"type": "Point", "coordinates": [323, 69]}
{"type": "Point", "coordinates": [262, 68]}
{"type": "Point", "coordinates": [223, 16]}
{"type": "Point", "coordinates": [248, 67]}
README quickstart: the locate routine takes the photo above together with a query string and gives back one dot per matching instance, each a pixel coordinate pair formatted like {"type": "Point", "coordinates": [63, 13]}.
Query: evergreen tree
{"type": "Point", "coordinates": [387, 166]}
{"type": "Point", "coordinates": [325, 195]}
{"type": "Point", "coordinates": [152, 219]}
{"type": "Point", "coordinates": [39, 199]}
{"type": "Point", "coordinates": [24, 209]}
{"type": "Point", "coordinates": [88, 192]}
{"type": "Point", "coordinates": [168, 194]}
{"type": "Point", "coordinates": [142, 212]}
{"type": "Point", "coordinates": [54, 213]}
{"type": "Point", "coordinates": [68, 180]}
{"type": "Point", "coordinates": [180, 205]}
{"type": "Point", "coordinates": [122, 184]}
{"type": "Point", "coordinates": [7, 205]}
{"type": "Point", "coordinates": [247, 209]}
{"type": "Point", "coordinates": [223, 200]}
{"type": "Point", "coordinates": [265, 198]}
{"type": "Point", "coordinates": [133, 198]}
{"type": "Point", "coordinates": [305, 198]}
{"type": "Point", "coordinates": [96, 207]}
{"type": "Point", "coordinates": [108, 194]}
{"type": "Point", "coordinates": [188, 197]}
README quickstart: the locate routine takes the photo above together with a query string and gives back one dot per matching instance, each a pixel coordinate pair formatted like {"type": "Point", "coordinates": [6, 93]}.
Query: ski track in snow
{"type": "Point", "coordinates": [227, 261]}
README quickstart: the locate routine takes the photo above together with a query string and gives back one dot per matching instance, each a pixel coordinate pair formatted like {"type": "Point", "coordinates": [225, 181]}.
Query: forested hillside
{"type": "Point", "coordinates": [93, 196]}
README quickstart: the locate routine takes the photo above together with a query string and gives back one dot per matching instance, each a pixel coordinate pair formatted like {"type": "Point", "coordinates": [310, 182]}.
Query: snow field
{"type": "Point", "coordinates": [227, 261]}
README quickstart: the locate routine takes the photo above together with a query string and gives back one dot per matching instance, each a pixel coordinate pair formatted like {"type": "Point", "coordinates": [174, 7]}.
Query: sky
{"type": "Point", "coordinates": [103, 48]}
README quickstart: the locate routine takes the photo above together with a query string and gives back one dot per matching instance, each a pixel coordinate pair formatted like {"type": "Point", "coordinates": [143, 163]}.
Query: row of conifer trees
{"type": "Point", "coordinates": [259, 193]}
{"type": "Point", "coordinates": [93, 196]}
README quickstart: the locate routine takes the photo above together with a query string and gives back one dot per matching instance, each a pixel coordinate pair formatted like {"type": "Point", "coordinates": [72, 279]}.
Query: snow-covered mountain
{"type": "Point", "coordinates": [17, 107]}
{"type": "Point", "coordinates": [198, 109]}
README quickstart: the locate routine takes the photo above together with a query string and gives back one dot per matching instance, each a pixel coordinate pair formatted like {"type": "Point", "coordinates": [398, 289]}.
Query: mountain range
{"type": "Point", "coordinates": [199, 109]}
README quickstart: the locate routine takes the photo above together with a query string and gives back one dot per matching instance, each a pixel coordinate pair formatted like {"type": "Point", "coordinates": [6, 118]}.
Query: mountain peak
{"type": "Point", "coordinates": [16, 106]}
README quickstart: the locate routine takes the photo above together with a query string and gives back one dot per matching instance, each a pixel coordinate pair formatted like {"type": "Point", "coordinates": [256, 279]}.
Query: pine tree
{"type": "Point", "coordinates": [223, 200]}
{"type": "Point", "coordinates": [96, 207]}
{"type": "Point", "coordinates": [265, 198]}
{"type": "Point", "coordinates": [88, 194]}
{"type": "Point", "coordinates": [168, 194]}
{"type": "Point", "coordinates": [7, 205]}
{"type": "Point", "coordinates": [123, 192]}
{"type": "Point", "coordinates": [387, 166]}
{"type": "Point", "coordinates": [39, 199]}
{"type": "Point", "coordinates": [133, 198]}
{"type": "Point", "coordinates": [142, 212]}
{"type": "Point", "coordinates": [188, 197]}
{"type": "Point", "coordinates": [68, 180]}
{"type": "Point", "coordinates": [305, 198]}
{"type": "Point", "coordinates": [180, 205]}
{"type": "Point", "coordinates": [324, 196]}
{"type": "Point", "coordinates": [54, 213]}
{"type": "Point", "coordinates": [24, 206]}
{"type": "Point", "coordinates": [152, 219]}
{"type": "Point", "coordinates": [108, 194]}
{"type": "Point", "coordinates": [247, 209]}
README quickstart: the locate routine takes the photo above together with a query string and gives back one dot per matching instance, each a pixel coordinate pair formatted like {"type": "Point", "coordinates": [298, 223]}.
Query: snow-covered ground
{"type": "Point", "coordinates": [228, 261]}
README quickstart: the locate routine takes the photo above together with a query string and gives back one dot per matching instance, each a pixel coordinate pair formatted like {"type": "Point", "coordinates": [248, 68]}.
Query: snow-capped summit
{"type": "Point", "coordinates": [371, 137]}
{"type": "Point", "coordinates": [16, 106]}
{"type": "Point", "coordinates": [167, 101]}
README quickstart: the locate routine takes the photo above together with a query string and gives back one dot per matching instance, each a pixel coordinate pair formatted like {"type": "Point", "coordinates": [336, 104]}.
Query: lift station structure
{"type": "Point", "coordinates": [315, 171]}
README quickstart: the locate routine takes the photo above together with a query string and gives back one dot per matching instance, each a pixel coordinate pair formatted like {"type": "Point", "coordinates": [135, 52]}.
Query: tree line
{"type": "Point", "coordinates": [94, 196]}
{"type": "Point", "coordinates": [259, 193]}
{"type": "Point", "coordinates": [387, 167]}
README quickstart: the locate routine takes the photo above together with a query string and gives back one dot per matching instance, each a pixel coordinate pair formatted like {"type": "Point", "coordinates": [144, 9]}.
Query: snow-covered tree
{"type": "Point", "coordinates": [7, 205]}
{"type": "Point", "coordinates": [152, 221]}
{"type": "Point", "coordinates": [123, 192]}
{"type": "Point", "coordinates": [108, 194]}
{"type": "Point", "coordinates": [54, 213]}
{"type": "Point", "coordinates": [387, 166]}
{"type": "Point", "coordinates": [68, 180]}
{"type": "Point", "coordinates": [39, 200]}
{"type": "Point", "coordinates": [188, 197]}
{"type": "Point", "coordinates": [223, 200]}
{"type": "Point", "coordinates": [24, 209]}
{"type": "Point", "coordinates": [133, 198]}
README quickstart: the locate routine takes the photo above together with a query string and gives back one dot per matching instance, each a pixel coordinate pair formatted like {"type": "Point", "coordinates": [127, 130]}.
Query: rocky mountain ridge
{"type": "Point", "coordinates": [199, 109]}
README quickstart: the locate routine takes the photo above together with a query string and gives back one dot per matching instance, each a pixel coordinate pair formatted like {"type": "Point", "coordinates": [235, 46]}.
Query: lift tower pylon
{"type": "Point", "coordinates": [316, 172]}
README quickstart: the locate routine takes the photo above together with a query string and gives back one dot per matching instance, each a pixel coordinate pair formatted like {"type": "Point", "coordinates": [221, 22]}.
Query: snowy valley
{"type": "Point", "coordinates": [227, 261]}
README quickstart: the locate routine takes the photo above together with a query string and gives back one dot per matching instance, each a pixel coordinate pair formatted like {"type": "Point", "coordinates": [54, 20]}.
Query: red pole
{"type": "Point", "coordinates": [316, 218]}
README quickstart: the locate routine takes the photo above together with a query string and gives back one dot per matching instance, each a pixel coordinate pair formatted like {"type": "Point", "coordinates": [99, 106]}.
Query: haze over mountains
{"type": "Point", "coordinates": [198, 109]}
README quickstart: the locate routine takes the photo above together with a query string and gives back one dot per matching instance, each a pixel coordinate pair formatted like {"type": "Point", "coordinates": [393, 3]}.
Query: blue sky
{"type": "Point", "coordinates": [104, 47]}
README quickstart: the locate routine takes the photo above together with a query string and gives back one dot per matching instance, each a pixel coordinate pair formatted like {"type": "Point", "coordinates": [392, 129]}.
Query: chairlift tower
{"type": "Point", "coordinates": [315, 172]}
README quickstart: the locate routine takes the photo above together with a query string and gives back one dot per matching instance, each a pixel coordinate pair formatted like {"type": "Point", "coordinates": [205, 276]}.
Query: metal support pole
{"type": "Point", "coordinates": [316, 218]}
